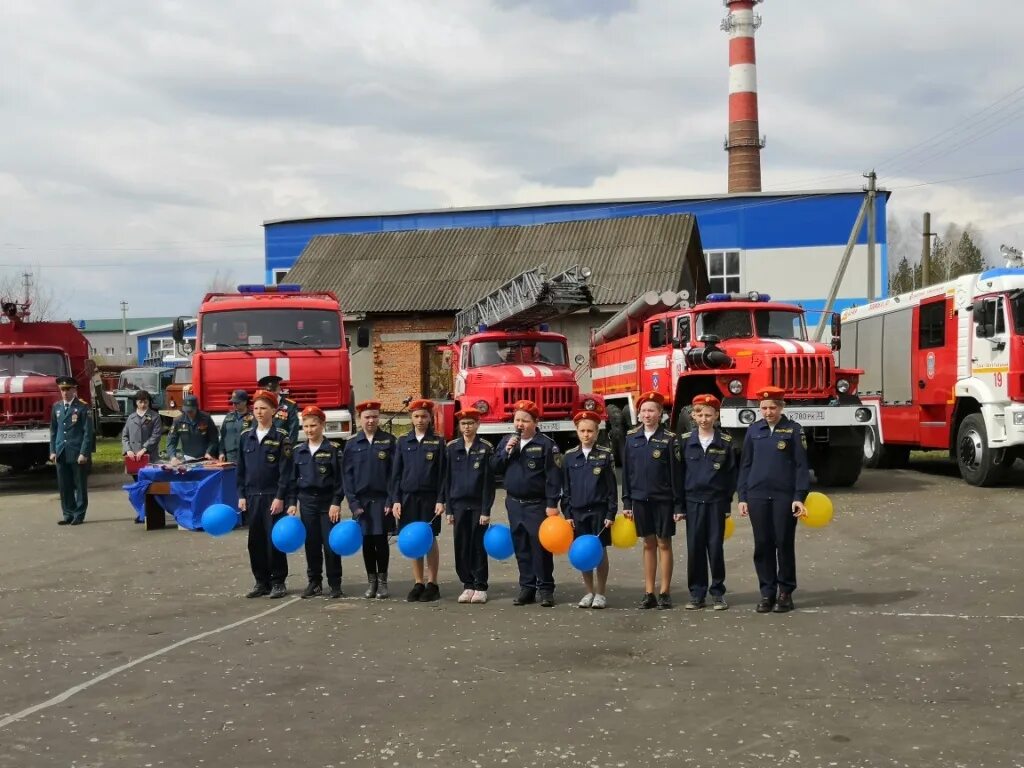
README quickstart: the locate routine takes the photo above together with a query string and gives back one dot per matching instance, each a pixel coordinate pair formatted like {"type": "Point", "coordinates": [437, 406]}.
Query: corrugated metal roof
{"type": "Point", "coordinates": [443, 270]}
{"type": "Point", "coordinates": [133, 324]}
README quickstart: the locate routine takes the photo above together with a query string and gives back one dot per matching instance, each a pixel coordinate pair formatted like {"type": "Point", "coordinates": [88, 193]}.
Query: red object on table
{"type": "Point", "coordinates": [132, 466]}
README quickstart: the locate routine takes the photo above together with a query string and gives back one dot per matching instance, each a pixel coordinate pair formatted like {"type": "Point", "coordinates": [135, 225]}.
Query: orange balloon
{"type": "Point", "coordinates": [556, 535]}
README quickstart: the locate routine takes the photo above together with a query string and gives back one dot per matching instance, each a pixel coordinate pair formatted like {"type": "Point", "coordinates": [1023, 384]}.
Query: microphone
{"type": "Point", "coordinates": [407, 400]}
{"type": "Point", "coordinates": [514, 442]}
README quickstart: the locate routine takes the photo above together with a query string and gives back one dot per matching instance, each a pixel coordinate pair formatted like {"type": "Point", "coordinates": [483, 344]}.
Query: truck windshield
{"type": "Point", "coordinates": [140, 379]}
{"type": "Point", "coordinates": [516, 351]}
{"type": "Point", "coordinates": [33, 364]}
{"type": "Point", "coordinates": [1017, 306]}
{"type": "Point", "coordinates": [183, 375]}
{"type": "Point", "coordinates": [780, 324]}
{"type": "Point", "coordinates": [280, 328]}
{"type": "Point", "coordinates": [725, 324]}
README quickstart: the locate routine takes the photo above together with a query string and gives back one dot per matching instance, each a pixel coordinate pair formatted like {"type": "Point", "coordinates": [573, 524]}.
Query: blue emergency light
{"type": "Point", "coordinates": [280, 288]}
{"type": "Point", "coordinates": [543, 327]}
{"type": "Point", "coordinates": [752, 296]}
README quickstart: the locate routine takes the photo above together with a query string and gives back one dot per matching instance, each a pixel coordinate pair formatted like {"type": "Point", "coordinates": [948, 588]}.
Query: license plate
{"type": "Point", "coordinates": [806, 416]}
{"type": "Point", "coordinates": [11, 437]}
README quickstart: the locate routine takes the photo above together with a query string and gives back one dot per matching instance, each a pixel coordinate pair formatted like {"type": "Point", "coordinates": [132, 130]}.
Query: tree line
{"type": "Point", "coordinates": [957, 250]}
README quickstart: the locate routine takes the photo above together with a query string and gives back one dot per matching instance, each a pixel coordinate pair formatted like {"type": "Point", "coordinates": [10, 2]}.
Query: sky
{"type": "Point", "coordinates": [145, 143]}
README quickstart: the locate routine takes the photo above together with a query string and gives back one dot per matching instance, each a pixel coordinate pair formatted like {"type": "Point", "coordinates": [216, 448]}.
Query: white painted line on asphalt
{"type": "Point", "coordinates": [61, 697]}
{"type": "Point", "coordinates": [913, 615]}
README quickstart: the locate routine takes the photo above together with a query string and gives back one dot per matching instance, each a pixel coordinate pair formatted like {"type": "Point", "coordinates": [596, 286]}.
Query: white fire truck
{"type": "Point", "coordinates": [944, 369]}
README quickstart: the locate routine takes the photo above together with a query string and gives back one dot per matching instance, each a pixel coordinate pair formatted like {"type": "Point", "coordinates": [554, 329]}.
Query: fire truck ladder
{"type": "Point", "coordinates": [528, 299]}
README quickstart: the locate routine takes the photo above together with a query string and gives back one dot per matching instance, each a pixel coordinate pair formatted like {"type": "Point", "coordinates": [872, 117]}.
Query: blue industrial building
{"type": "Point", "coordinates": [156, 343]}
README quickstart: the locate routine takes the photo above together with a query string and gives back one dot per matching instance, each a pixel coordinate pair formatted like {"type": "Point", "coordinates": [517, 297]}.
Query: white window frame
{"type": "Point", "coordinates": [163, 346]}
{"type": "Point", "coordinates": [718, 281]}
{"type": "Point", "coordinates": [279, 275]}
{"type": "Point", "coordinates": [108, 350]}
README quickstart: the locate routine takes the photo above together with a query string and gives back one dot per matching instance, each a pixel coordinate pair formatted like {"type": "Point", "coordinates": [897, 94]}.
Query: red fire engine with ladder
{"type": "Point", "coordinates": [944, 370]}
{"type": "Point", "coordinates": [730, 346]}
{"type": "Point", "coordinates": [501, 351]}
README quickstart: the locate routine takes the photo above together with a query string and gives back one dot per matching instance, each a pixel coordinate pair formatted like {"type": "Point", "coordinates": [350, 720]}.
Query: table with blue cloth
{"type": "Point", "coordinates": [184, 492]}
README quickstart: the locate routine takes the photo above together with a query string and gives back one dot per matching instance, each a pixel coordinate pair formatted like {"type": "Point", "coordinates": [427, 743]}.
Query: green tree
{"type": "Point", "coordinates": [902, 280]}
{"type": "Point", "coordinates": [969, 258]}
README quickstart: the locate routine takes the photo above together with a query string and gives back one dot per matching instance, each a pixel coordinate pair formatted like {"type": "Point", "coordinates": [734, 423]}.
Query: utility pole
{"type": "Point", "coordinates": [26, 279]}
{"type": "Point", "coordinates": [926, 251]}
{"type": "Point", "coordinates": [124, 328]}
{"type": "Point", "coordinates": [870, 175]}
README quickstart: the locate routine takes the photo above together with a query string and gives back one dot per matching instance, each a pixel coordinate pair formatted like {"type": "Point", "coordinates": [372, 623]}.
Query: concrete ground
{"type": "Point", "coordinates": [122, 647]}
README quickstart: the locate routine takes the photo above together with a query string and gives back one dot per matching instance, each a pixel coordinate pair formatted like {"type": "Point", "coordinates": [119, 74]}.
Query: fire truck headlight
{"type": "Point", "coordinates": [1018, 419]}
{"type": "Point", "coordinates": [862, 414]}
{"type": "Point", "coordinates": [589, 404]}
{"type": "Point", "coordinates": [735, 386]}
{"type": "Point", "coordinates": [843, 386]}
{"type": "Point", "coordinates": [482, 406]}
{"type": "Point", "coordinates": [747, 416]}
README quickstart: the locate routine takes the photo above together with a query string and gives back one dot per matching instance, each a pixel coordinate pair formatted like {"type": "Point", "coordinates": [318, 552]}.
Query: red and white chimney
{"type": "Point", "coordinates": [744, 142]}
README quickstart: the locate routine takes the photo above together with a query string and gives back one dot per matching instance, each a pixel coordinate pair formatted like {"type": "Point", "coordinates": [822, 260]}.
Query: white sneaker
{"type": "Point", "coordinates": [586, 601]}
{"type": "Point", "coordinates": [466, 596]}
{"type": "Point", "coordinates": [480, 596]}
{"type": "Point", "coordinates": [600, 601]}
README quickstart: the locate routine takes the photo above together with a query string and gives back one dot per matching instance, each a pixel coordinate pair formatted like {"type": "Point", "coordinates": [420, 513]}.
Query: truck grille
{"type": "Point", "coordinates": [554, 401]}
{"type": "Point", "coordinates": [23, 408]}
{"type": "Point", "coordinates": [803, 374]}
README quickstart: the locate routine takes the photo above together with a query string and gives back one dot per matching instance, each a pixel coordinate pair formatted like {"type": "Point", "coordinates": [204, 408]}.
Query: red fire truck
{"type": "Point", "coordinates": [32, 355]}
{"type": "Point", "coordinates": [944, 370]}
{"type": "Point", "coordinates": [730, 346]}
{"type": "Point", "coordinates": [501, 351]}
{"type": "Point", "coordinates": [273, 330]}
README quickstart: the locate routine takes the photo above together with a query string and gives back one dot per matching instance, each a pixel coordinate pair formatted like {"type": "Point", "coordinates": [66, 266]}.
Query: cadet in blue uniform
{"type": "Point", "coordinates": [467, 492]}
{"type": "Point", "coordinates": [774, 482]}
{"type": "Point", "coordinates": [367, 463]}
{"type": "Point", "coordinates": [316, 485]}
{"type": "Point", "coordinates": [72, 442]}
{"type": "Point", "coordinates": [531, 463]}
{"type": "Point", "coordinates": [264, 474]}
{"type": "Point", "coordinates": [194, 430]}
{"type": "Point", "coordinates": [652, 494]}
{"type": "Point", "coordinates": [287, 415]}
{"type": "Point", "coordinates": [709, 482]}
{"type": "Point", "coordinates": [238, 420]}
{"type": "Point", "coordinates": [416, 492]}
{"type": "Point", "coordinates": [589, 499]}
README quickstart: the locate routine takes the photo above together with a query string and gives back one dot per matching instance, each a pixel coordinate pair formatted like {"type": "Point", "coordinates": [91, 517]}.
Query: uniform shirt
{"type": "Point", "coordinates": [286, 418]}
{"type": "Point", "coordinates": [366, 465]}
{"type": "Point", "coordinates": [419, 465]}
{"type": "Point", "coordinates": [588, 482]}
{"type": "Point", "coordinates": [773, 464]}
{"type": "Point", "coordinates": [317, 475]}
{"type": "Point", "coordinates": [71, 430]}
{"type": "Point", "coordinates": [264, 466]}
{"type": "Point", "coordinates": [197, 437]}
{"type": "Point", "coordinates": [142, 432]}
{"type": "Point", "coordinates": [650, 468]}
{"type": "Point", "coordinates": [531, 472]}
{"type": "Point", "coordinates": [709, 474]}
{"type": "Point", "coordinates": [231, 430]}
{"type": "Point", "coordinates": [468, 478]}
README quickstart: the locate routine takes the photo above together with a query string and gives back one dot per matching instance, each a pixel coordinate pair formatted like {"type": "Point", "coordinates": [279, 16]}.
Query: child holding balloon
{"type": "Point", "coordinates": [589, 499]}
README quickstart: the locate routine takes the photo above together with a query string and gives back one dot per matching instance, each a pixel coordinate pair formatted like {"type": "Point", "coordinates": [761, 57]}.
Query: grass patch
{"type": "Point", "coordinates": [108, 456]}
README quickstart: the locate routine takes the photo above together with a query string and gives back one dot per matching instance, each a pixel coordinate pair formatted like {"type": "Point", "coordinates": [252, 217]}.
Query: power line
{"type": "Point", "coordinates": [962, 178]}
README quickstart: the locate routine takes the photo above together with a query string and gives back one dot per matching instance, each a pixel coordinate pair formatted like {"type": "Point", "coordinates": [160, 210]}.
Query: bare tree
{"type": "Point", "coordinates": [44, 303]}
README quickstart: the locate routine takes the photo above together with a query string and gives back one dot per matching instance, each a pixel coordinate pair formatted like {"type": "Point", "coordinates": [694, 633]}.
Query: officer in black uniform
{"type": "Point", "coordinates": [366, 464]}
{"type": "Point", "coordinates": [317, 487]}
{"type": "Point", "coordinates": [531, 464]}
{"type": "Point", "coordinates": [709, 482]}
{"type": "Point", "coordinates": [773, 484]}
{"type": "Point", "coordinates": [589, 498]}
{"type": "Point", "coordinates": [264, 475]}
{"type": "Point", "coordinates": [72, 442]}
{"type": "Point", "coordinates": [467, 492]}
{"type": "Point", "coordinates": [194, 430]}
{"type": "Point", "coordinates": [416, 492]}
{"type": "Point", "coordinates": [238, 419]}
{"type": "Point", "coordinates": [287, 415]}
{"type": "Point", "coordinates": [652, 494]}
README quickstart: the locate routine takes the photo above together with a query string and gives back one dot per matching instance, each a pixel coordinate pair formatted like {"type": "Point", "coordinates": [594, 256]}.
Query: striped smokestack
{"type": "Point", "coordinates": [744, 142]}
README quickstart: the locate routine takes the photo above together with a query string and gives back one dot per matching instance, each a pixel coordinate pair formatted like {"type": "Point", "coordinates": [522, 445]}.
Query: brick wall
{"type": "Point", "coordinates": [398, 366]}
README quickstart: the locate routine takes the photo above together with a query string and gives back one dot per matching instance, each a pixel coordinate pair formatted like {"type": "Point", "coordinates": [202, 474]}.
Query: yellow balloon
{"type": "Point", "coordinates": [623, 533]}
{"type": "Point", "coordinates": [819, 510]}
{"type": "Point", "coordinates": [730, 528]}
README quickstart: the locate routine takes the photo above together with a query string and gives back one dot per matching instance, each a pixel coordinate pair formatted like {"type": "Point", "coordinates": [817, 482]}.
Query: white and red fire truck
{"type": "Point", "coordinates": [944, 370]}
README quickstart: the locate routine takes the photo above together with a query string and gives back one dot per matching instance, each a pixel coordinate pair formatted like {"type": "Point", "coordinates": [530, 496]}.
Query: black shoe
{"type": "Point", "coordinates": [649, 601]}
{"type": "Point", "coordinates": [78, 521]}
{"type": "Point", "coordinates": [415, 593]}
{"type": "Point", "coordinates": [63, 522]}
{"type": "Point", "coordinates": [335, 592]}
{"type": "Point", "coordinates": [277, 591]}
{"type": "Point", "coordinates": [525, 597]}
{"type": "Point", "coordinates": [547, 600]}
{"type": "Point", "coordinates": [664, 601]}
{"type": "Point", "coordinates": [258, 590]}
{"type": "Point", "coordinates": [138, 522]}
{"type": "Point", "coordinates": [695, 604]}
{"type": "Point", "coordinates": [313, 589]}
{"type": "Point", "coordinates": [430, 593]}
{"type": "Point", "coordinates": [765, 606]}
{"type": "Point", "coordinates": [785, 604]}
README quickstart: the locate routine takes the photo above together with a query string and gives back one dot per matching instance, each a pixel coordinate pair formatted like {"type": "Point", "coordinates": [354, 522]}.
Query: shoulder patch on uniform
{"type": "Point", "coordinates": [670, 433]}
{"type": "Point", "coordinates": [573, 450]}
{"type": "Point", "coordinates": [336, 443]}
{"type": "Point", "coordinates": [488, 443]}
{"type": "Point", "coordinates": [685, 435]}
{"type": "Point", "coordinates": [602, 448]}
{"type": "Point", "coordinates": [635, 429]}
{"type": "Point", "coordinates": [727, 437]}
{"type": "Point", "coordinates": [452, 442]}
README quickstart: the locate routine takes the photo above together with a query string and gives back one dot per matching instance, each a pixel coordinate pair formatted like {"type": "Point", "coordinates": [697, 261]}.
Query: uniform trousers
{"type": "Point", "coordinates": [536, 565]}
{"type": "Point", "coordinates": [705, 534]}
{"type": "Point", "coordinates": [314, 514]}
{"type": "Point", "coordinates": [774, 544]}
{"type": "Point", "coordinates": [73, 483]}
{"type": "Point", "coordinates": [269, 564]}
{"type": "Point", "coordinates": [470, 556]}
{"type": "Point", "coordinates": [376, 526]}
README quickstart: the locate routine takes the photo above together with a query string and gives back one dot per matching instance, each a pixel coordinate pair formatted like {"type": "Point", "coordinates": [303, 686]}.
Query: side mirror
{"type": "Point", "coordinates": [837, 332]}
{"type": "Point", "coordinates": [362, 337]}
{"type": "Point", "coordinates": [178, 331]}
{"type": "Point", "coordinates": [978, 312]}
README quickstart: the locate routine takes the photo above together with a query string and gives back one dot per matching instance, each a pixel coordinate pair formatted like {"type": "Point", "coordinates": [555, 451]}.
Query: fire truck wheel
{"type": "Point", "coordinates": [616, 432]}
{"type": "Point", "coordinates": [977, 461]}
{"type": "Point", "coordinates": [684, 422]}
{"type": "Point", "coordinates": [880, 456]}
{"type": "Point", "coordinates": [836, 467]}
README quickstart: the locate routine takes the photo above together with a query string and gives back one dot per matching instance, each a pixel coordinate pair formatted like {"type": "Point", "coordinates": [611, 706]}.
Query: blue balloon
{"type": "Point", "coordinates": [415, 539]}
{"type": "Point", "coordinates": [346, 538]}
{"type": "Point", "coordinates": [289, 534]}
{"type": "Point", "coordinates": [498, 542]}
{"type": "Point", "coordinates": [586, 553]}
{"type": "Point", "coordinates": [219, 519]}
